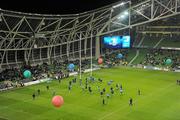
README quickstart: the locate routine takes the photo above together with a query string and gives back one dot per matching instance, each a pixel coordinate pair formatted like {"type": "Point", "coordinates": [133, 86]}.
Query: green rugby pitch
{"type": "Point", "coordinates": [160, 99]}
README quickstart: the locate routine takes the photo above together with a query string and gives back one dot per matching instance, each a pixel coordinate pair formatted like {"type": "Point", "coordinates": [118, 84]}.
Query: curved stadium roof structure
{"type": "Point", "coordinates": [26, 37]}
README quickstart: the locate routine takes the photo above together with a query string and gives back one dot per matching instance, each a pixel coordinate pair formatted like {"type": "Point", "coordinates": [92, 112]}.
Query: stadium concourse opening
{"type": "Point", "coordinates": [120, 61]}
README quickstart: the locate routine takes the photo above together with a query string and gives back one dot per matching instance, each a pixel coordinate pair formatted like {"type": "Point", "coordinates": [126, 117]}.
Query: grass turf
{"type": "Point", "coordinates": [160, 99]}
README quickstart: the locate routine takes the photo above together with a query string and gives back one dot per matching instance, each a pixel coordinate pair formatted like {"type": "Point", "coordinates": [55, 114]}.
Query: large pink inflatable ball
{"type": "Point", "coordinates": [57, 101]}
{"type": "Point", "coordinates": [100, 61]}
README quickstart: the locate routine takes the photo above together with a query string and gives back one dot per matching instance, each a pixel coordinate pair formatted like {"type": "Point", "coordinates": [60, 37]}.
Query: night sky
{"type": "Point", "coordinates": [54, 6]}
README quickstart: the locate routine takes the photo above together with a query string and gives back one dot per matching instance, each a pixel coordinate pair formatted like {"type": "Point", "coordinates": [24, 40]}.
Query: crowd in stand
{"type": "Point", "coordinates": [157, 57]}
{"type": "Point", "coordinates": [55, 69]}
{"type": "Point", "coordinates": [111, 58]}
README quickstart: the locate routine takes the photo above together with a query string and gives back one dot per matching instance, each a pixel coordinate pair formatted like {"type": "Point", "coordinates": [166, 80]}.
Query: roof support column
{"type": "Point", "coordinates": [97, 51]}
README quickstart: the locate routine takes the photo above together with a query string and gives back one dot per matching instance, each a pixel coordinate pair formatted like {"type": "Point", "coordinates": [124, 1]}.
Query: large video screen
{"type": "Point", "coordinates": [117, 42]}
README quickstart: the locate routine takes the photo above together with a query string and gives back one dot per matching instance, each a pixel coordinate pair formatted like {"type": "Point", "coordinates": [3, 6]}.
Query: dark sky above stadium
{"type": "Point", "coordinates": [54, 6]}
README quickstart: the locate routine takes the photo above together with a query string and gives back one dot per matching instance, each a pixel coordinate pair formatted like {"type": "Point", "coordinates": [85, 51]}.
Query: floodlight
{"type": "Point", "coordinates": [126, 13]}
{"type": "Point", "coordinates": [121, 16]}
{"type": "Point", "coordinates": [121, 4]}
